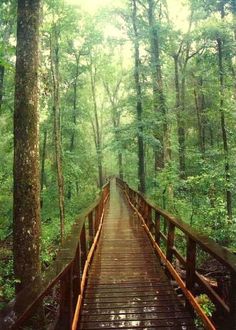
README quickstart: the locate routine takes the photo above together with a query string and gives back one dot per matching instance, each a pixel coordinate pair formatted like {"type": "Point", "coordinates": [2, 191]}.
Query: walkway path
{"type": "Point", "coordinates": [127, 288]}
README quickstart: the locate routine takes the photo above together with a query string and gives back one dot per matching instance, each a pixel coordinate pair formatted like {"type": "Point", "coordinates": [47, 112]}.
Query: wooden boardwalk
{"type": "Point", "coordinates": [126, 287]}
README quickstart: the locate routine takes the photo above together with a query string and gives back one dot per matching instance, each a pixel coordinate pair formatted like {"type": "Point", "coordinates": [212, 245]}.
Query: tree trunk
{"type": "Point", "coordinates": [162, 157]}
{"type": "Point", "coordinates": [116, 121]}
{"type": "Point", "coordinates": [74, 117]}
{"type": "Point", "coordinates": [200, 108]}
{"type": "Point", "coordinates": [97, 131]}
{"type": "Point", "coordinates": [43, 164]}
{"type": "Point", "coordinates": [233, 4]}
{"type": "Point", "coordinates": [179, 114]}
{"type": "Point", "coordinates": [2, 71]}
{"type": "Point", "coordinates": [26, 205]}
{"type": "Point", "coordinates": [6, 26]}
{"type": "Point", "coordinates": [139, 108]}
{"type": "Point", "coordinates": [57, 124]}
{"type": "Point", "coordinates": [224, 130]}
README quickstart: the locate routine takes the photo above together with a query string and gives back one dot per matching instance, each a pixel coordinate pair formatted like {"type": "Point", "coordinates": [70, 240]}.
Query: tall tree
{"type": "Point", "coordinates": [96, 125]}
{"type": "Point", "coordinates": [113, 96]}
{"type": "Point", "coordinates": [26, 208]}
{"type": "Point", "coordinates": [159, 101]}
{"type": "Point", "coordinates": [6, 26]}
{"type": "Point", "coordinates": [139, 106]}
{"type": "Point", "coordinates": [54, 51]}
{"type": "Point", "coordinates": [220, 49]}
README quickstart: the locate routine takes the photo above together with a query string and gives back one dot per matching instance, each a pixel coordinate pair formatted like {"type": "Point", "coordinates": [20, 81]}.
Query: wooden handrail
{"type": "Point", "coordinates": [194, 242]}
{"type": "Point", "coordinates": [65, 271]}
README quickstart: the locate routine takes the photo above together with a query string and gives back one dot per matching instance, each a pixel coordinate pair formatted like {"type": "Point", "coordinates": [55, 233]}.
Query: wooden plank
{"type": "Point", "coordinates": [126, 281]}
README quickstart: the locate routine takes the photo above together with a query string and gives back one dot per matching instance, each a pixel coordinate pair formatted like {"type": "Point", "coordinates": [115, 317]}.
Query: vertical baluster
{"type": "Point", "coordinates": [191, 263]}
{"type": "Point", "coordinates": [190, 267]}
{"type": "Point", "coordinates": [170, 241]}
{"type": "Point", "coordinates": [142, 207]}
{"type": "Point", "coordinates": [83, 247]}
{"type": "Point", "coordinates": [134, 201]}
{"type": "Point", "coordinates": [149, 217]}
{"type": "Point", "coordinates": [66, 300]}
{"type": "Point", "coordinates": [145, 211]}
{"type": "Point", "coordinates": [100, 211]}
{"type": "Point", "coordinates": [96, 219]}
{"type": "Point", "coordinates": [91, 229]}
{"type": "Point", "coordinates": [157, 227]}
{"type": "Point", "coordinates": [76, 277]}
{"type": "Point", "coordinates": [232, 324]}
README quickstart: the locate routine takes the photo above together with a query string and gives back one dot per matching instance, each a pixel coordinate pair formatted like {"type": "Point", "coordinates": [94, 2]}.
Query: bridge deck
{"type": "Point", "coordinates": [127, 288]}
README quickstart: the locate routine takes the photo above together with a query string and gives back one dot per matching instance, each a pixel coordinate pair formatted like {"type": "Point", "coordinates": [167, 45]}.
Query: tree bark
{"type": "Point", "coordinates": [201, 121]}
{"type": "Point", "coordinates": [162, 157]}
{"type": "Point", "coordinates": [26, 196]}
{"type": "Point", "coordinates": [74, 116]}
{"type": "Point", "coordinates": [139, 107]}
{"type": "Point", "coordinates": [179, 113]}
{"type": "Point", "coordinates": [42, 181]}
{"type": "Point", "coordinates": [233, 8]}
{"type": "Point", "coordinates": [97, 131]}
{"type": "Point", "coordinates": [115, 116]}
{"type": "Point", "coordinates": [6, 31]}
{"type": "Point", "coordinates": [57, 123]}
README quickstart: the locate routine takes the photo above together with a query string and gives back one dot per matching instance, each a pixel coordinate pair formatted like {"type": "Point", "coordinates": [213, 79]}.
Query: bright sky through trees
{"type": "Point", "coordinates": [177, 11]}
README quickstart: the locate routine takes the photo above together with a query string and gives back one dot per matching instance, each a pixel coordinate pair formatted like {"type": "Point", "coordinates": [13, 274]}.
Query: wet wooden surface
{"type": "Point", "coordinates": [127, 288]}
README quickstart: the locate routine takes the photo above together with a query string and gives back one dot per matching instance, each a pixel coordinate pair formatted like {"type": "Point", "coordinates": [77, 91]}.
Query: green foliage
{"type": "Point", "coordinates": [208, 308]}
{"type": "Point", "coordinates": [6, 277]}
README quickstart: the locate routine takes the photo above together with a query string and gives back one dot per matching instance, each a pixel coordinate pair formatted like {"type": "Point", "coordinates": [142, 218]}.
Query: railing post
{"type": "Point", "coordinates": [142, 209]}
{"type": "Point", "coordinates": [190, 263]}
{"type": "Point", "coordinates": [76, 277]}
{"type": "Point", "coordinates": [157, 227]}
{"type": "Point", "coordinates": [170, 242]}
{"type": "Point", "coordinates": [91, 228]}
{"type": "Point", "coordinates": [149, 216]}
{"type": "Point", "coordinates": [134, 199]}
{"type": "Point", "coordinates": [232, 324]}
{"type": "Point", "coordinates": [190, 267]}
{"type": "Point", "coordinates": [97, 215]}
{"type": "Point", "coordinates": [66, 300]}
{"type": "Point", "coordinates": [145, 212]}
{"type": "Point", "coordinates": [83, 247]}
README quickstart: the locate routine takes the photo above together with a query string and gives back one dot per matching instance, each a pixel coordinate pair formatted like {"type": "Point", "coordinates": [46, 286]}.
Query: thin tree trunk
{"type": "Point", "coordinates": [6, 29]}
{"type": "Point", "coordinates": [97, 132]}
{"type": "Point", "coordinates": [43, 164]}
{"type": "Point", "coordinates": [139, 108]}
{"type": "Point", "coordinates": [200, 106]}
{"type": "Point", "coordinates": [74, 117]}
{"type": "Point", "coordinates": [233, 4]}
{"type": "Point", "coordinates": [116, 122]}
{"type": "Point", "coordinates": [57, 125]}
{"type": "Point", "coordinates": [26, 207]}
{"type": "Point", "coordinates": [2, 71]}
{"type": "Point", "coordinates": [179, 114]}
{"type": "Point", "coordinates": [224, 130]}
{"type": "Point", "coordinates": [162, 157]}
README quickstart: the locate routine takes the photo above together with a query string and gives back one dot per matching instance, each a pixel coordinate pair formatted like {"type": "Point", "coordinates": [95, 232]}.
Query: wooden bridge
{"type": "Point", "coordinates": [118, 270]}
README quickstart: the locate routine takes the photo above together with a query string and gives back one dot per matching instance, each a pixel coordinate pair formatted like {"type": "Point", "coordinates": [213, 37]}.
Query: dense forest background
{"type": "Point", "coordinates": [141, 89]}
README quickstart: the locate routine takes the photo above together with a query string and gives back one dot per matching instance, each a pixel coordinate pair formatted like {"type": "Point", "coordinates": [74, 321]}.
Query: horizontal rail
{"type": "Point", "coordinates": [65, 272]}
{"type": "Point", "coordinates": [155, 218]}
